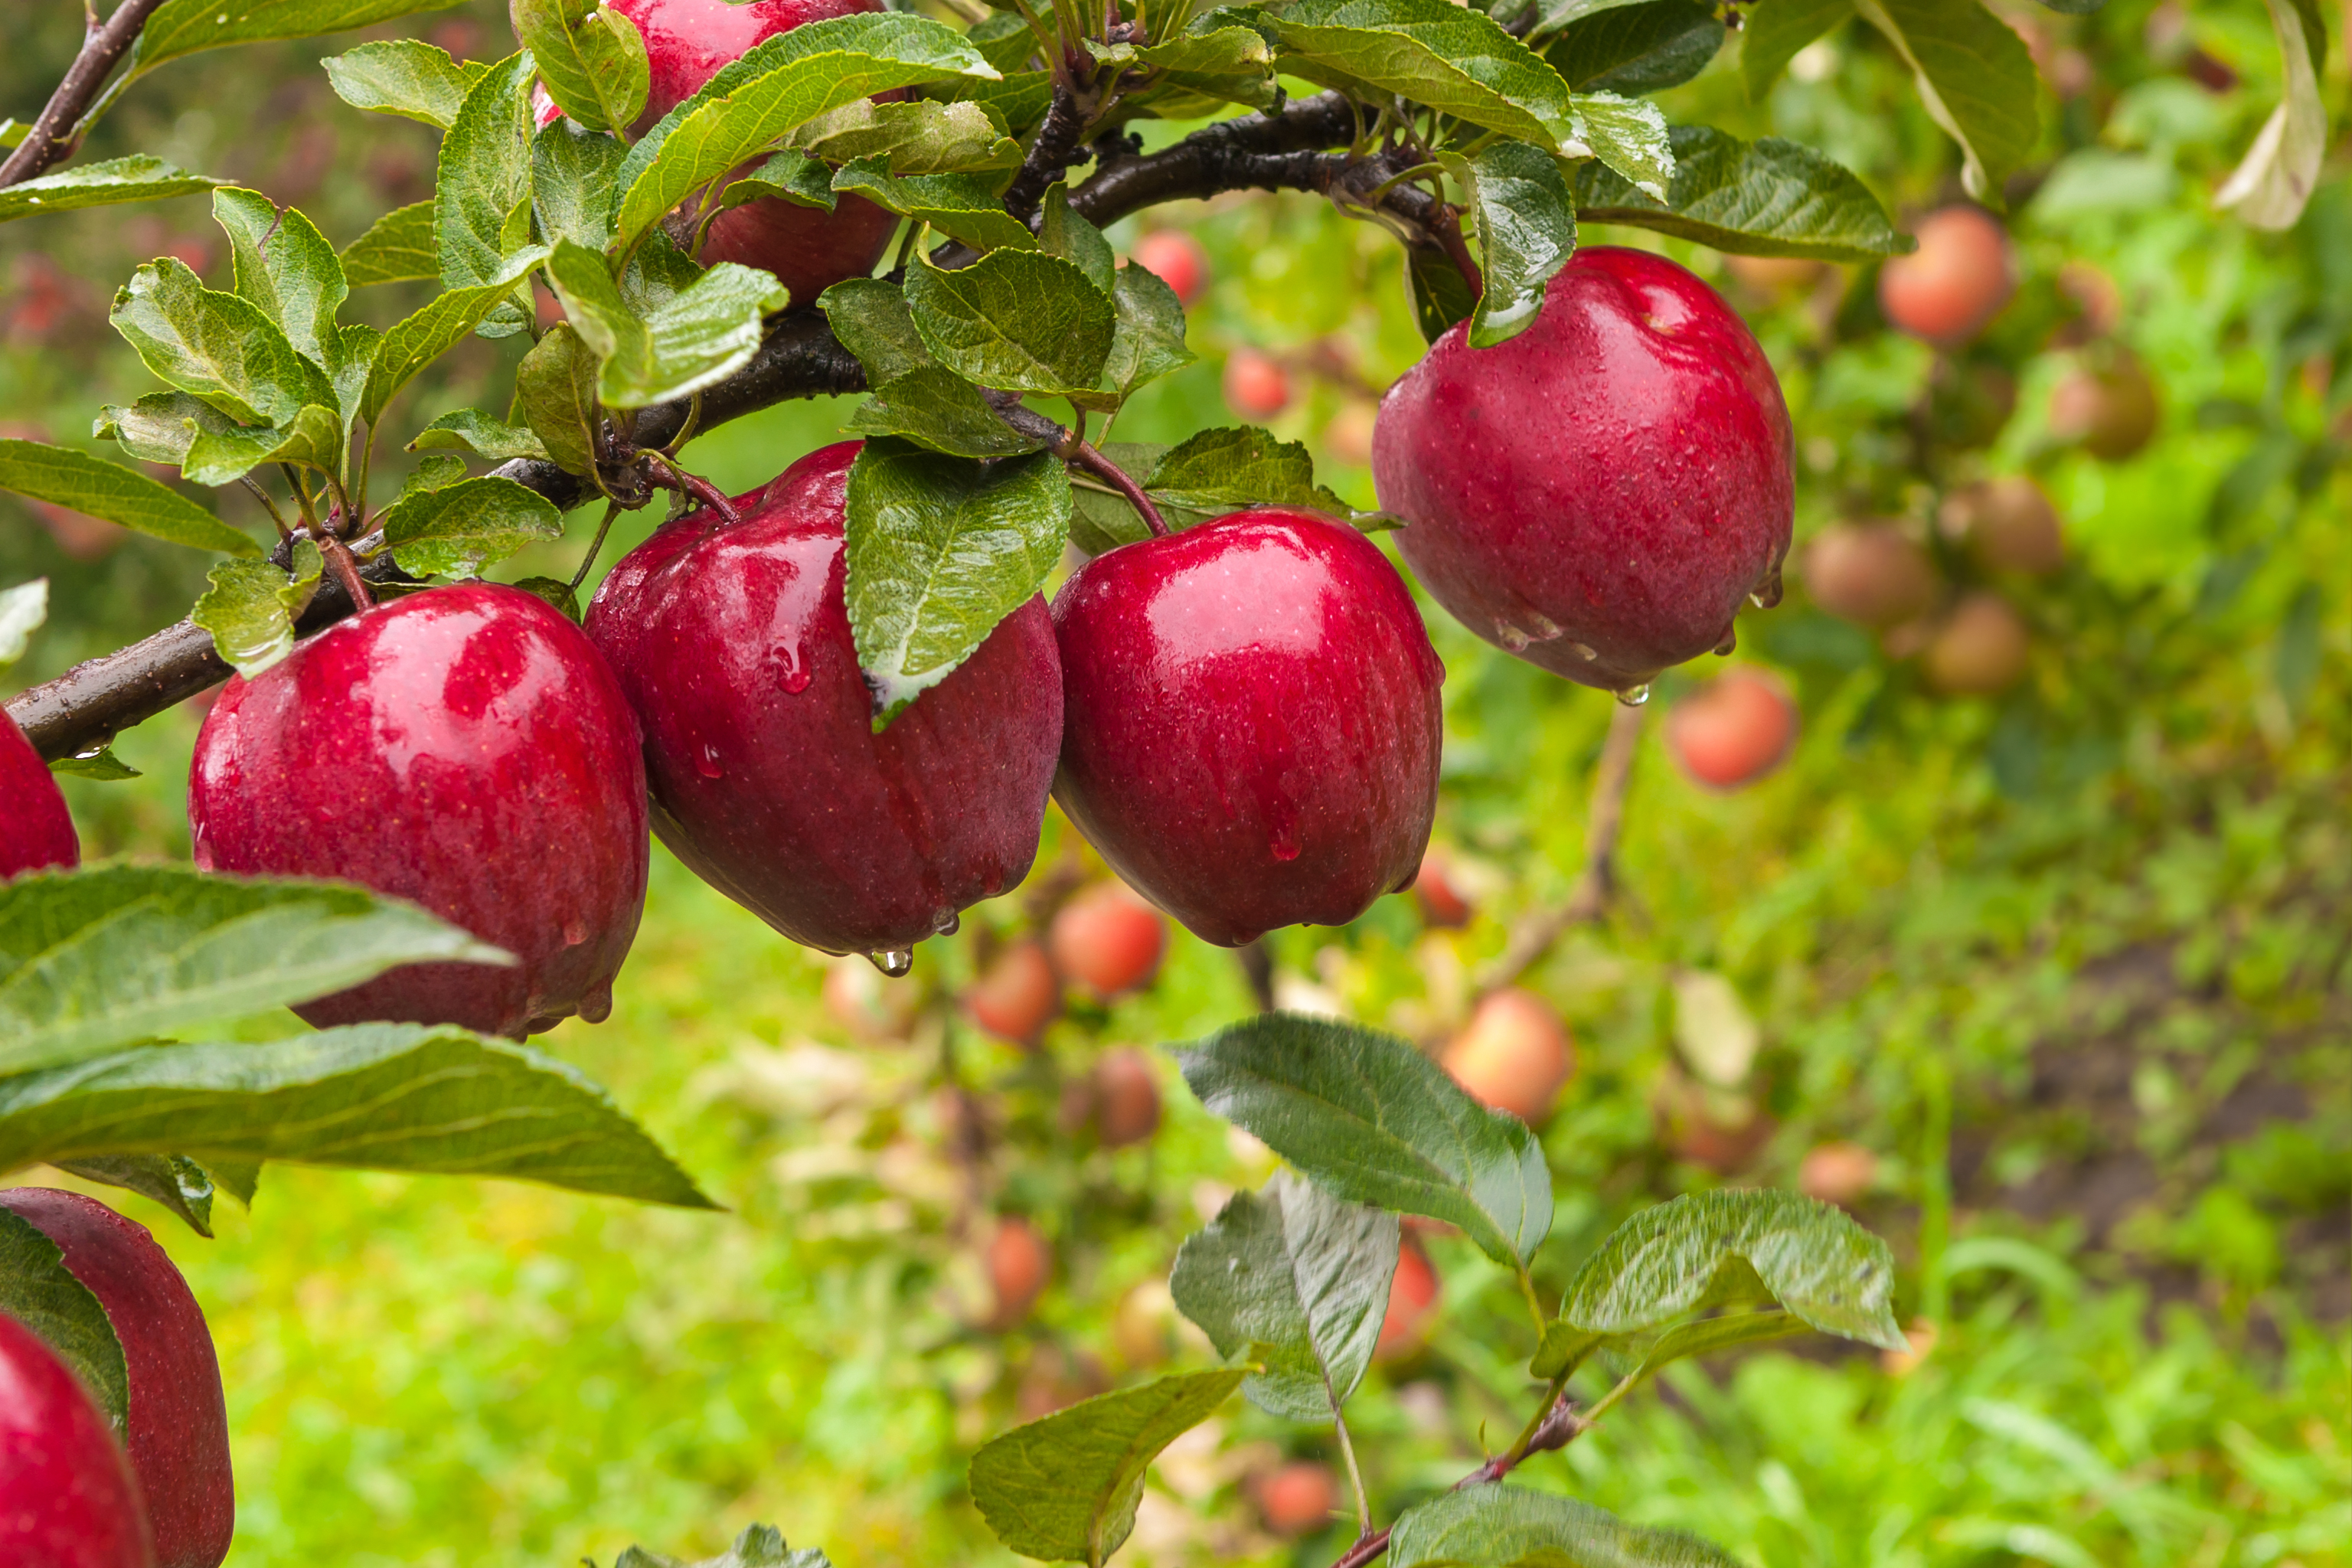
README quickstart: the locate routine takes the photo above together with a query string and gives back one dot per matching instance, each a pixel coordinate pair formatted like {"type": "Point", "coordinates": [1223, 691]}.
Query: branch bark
{"type": "Point", "coordinates": [1589, 899]}
{"type": "Point", "coordinates": [58, 131]}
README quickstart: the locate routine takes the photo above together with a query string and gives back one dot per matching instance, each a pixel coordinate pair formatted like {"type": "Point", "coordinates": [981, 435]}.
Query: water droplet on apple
{"type": "Point", "coordinates": [1730, 641]}
{"type": "Point", "coordinates": [947, 922]}
{"type": "Point", "coordinates": [1633, 696]}
{"type": "Point", "coordinates": [1512, 637]}
{"type": "Point", "coordinates": [706, 761]}
{"type": "Point", "coordinates": [1765, 598]}
{"type": "Point", "coordinates": [1585, 651]}
{"type": "Point", "coordinates": [897, 963]}
{"type": "Point", "coordinates": [596, 1005]}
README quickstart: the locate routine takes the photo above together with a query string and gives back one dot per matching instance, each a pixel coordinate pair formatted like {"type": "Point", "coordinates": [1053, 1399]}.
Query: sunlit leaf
{"type": "Point", "coordinates": [457, 530]}
{"type": "Point", "coordinates": [1512, 1527]}
{"type": "Point", "coordinates": [1753, 198]}
{"type": "Point", "coordinates": [406, 77]}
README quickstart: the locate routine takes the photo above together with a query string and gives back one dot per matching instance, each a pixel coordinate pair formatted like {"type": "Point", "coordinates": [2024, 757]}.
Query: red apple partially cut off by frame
{"type": "Point", "coordinates": [66, 1496]}
{"type": "Point", "coordinates": [36, 829]}
{"type": "Point", "coordinates": [1599, 494]}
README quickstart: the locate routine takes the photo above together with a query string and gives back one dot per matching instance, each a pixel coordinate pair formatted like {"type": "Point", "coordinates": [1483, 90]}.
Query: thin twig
{"type": "Point", "coordinates": [59, 129]}
{"type": "Point", "coordinates": [1355, 1471]}
{"type": "Point", "coordinates": [594, 545]}
{"type": "Point", "coordinates": [1533, 937]}
{"type": "Point", "coordinates": [1071, 447]}
{"type": "Point", "coordinates": [670, 477]}
{"type": "Point", "coordinates": [346, 569]}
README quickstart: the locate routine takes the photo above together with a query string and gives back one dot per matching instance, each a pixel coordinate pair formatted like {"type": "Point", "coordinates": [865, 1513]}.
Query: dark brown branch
{"type": "Point", "coordinates": [1055, 150]}
{"type": "Point", "coordinates": [58, 131]}
{"type": "Point", "coordinates": [1072, 448]}
{"type": "Point", "coordinates": [1533, 937]}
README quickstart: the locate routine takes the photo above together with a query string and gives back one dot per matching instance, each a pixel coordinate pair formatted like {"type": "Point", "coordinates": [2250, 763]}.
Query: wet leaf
{"type": "Point", "coordinates": [433, 330]}
{"type": "Point", "coordinates": [555, 391]}
{"type": "Point", "coordinates": [397, 247]}
{"type": "Point", "coordinates": [406, 77]}
{"type": "Point", "coordinates": [1015, 319]}
{"type": "Point", "coordinates": [962, 206]}
{"type": "Point", "coordinates": [1527, 232]}
{"type": "Point", "coordinates": [1455, 61]}
{"type": "Point", "coordinates": [1754, 198]}
{"type": "Point", "coordinates": [471, 430]}
{"type": "Point", "coordinates": [251, 606]}
{"type": "Point", "coordinates": [692, 339]}
{"type": "Point", "coordinates": [1236, 467]}
{"type": "Point", "coordinates": [572, 183]}
{"type": "Point", "coordinates": [184, 27]}
{"type": "Point", "coordinates": [792, 176]}
{"type": "Point", "coordinates": [591, 57]}
{"type": "Point", "coordinates": [939, 409]}
{"type": "Point", "coordinates": [871, 319]}
{"type": "Point", "coordinates": [481, 204]}
{"type": "Point", "coordinates": [211, 346]}
{"type": "Point", "coordinates": [313, 439]}
{"type": "Point", "coordinates": [457, 530]}
{"type": "Point", "coordinates": [1149, 341]}
{"type": "Point", "coordinates": [177, 1182]}
{"type": "Point", "coordinates": [137, 178]}
{"type": "Point", "coordinates": [285, 268]}
{"type": "Point", "coordinates": [920, 136]}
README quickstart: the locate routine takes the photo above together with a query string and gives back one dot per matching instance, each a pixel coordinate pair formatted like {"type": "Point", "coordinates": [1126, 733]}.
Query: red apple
{"type": "Point", "coordinates": [687, 42]}
{"type": "Point", "coordinates": [66, 1496]}
{"type": "Point", "coordinates": [1256, 386]}
{"type": "Point", "coordinates": [1019, 1264]}
{"type": "Point", "coordinates": [1298, 1497]}
{"type": "Point", "coordinates": [1126, 1098]}
{"type": "Point", "coordinates": [1599, 494]}
{"type": "Point", "coordinates": [1959, 279]}
{"type": "Point", "coordinates": [2112, 413]}
{"type": "Point", "coordinates": [463, 748]}
{"type": "Point", "coordinates": [1178, 260]}
{"type": "Point", "coordinates": [1109, 941]}
{"type": "Point", "coordinates": [1872, 573]}
{"type": "Point", "coordinates": [1514, 1054]}
{"type": "Point", "coordinates": [178, 1428]}
{"type": "Point", "coordinates": [2008, 524]}
{"type": "Point", "coordinates": [1412, 1298]}
{"type": "Point", "coordinates": [1251, 722]}
{"type": "Point", "coordinates": [1441, 903]}
{"type": "Point", "coordinates": [1981, 648]}
{"type": "Point", "coordinates": [1017, 995]}
{"type": "Point", "coordinates": [35, 831]}
{"type": "Point", "coordinates": [1837, 1172]}
{"type": "Point", "coordinates": [732, 641]}
{"type": "Point", "coordinates": [1733, 731]}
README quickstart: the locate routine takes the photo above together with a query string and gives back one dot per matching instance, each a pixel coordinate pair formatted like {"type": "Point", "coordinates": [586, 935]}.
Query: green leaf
{"type": "Point", "coordinates": [1064, 1489]}
{"type": "Point", "coordinates": [22, 608]}
{"type": "Point", "coordinates": [1235, 467]}
{"type": "Point", "coordinates": [961, 206]}
{"type": "Point", "coordinates": [1374, 1121]}
{"type": "Point", "coordinates": [481, 204]}
{"type": "Point", "coordinates": [592, 58]}
{"type": "Point", "coordinates": [572, 179]}
{"type": "Point", "coordinates": [940, 550]}
{"type": "Point", "coordinates": [406, 77]}
{"type": "Point", "coordinates": [1776, 31]}
{"type": "Point", "coordinates": [759, 1546]}
{"type": "Point", "coordinates": [917, 136]}
{"type": "Point", "coordinates": [160, 427]}
{"type": "Point", "coordinates": [1527, 232]}
{"type": "Point", "coordinates": [1016, 320]}
{"type": "Point", "coordinates": [1641, 49]}
{"type": "Point", "coordinates": [1020, 99]}
{"type": "Point", "coordinates": [93, 959]}
{"type": "Point", "coordinates": [1298, 1278]}
{"type": "Point", "coordinates": [1735, 1247]}
{"type": "Point", "coordinates": [555, 591]}
{"type": "Point", "coordinates": [1101, 519]}
{"type": "Point", "coordinates": [1562, 1349]}
{"type": "Point", "coordinates": [376, 1097]}
{"type": "Point", "coordinates": [790, 176]}
{"type": "Point", "coordinates": [1975, 78]}
{"type": "Point", "coordinates": [70, 477]}
{"type": "Point", "coordinates": [692, 340]}
{"type": "Point", "coordinates": [1708, 1335]}
{"type": "Point", "coordinates": [251, 607]}
{"type": "Point", "coordinates": [211, 346]}
{"type": "Point", "coordinates": [137, 178]}
{"type": "Point", "coordinates": [1067, 234]}
{"type": "Point", "coordinates": [285, 268]}
{"type": "Point", "coordinates": [184, 27]}
{"type": "Point", "coordinates": [1149, 341]}
{"type": "Point", "coordinates": [555, 393]}
{"type": "Point", "coordinates": [1232, 63]}
{"type": "Point", "coordinates": [39, 1292]}
{"type": "Point", "coordinates": [871, 319]}
{"type": "Point", "coordinates": [471, 430]}
{"type": "Point", "coordinates": [179, 1183]}
{"type": "Point", "coordinates": [2271, 186]}
{"type": "Point", "coordinates": [939, 409]}
{"type": "Point", "coordinates": [432, 332]}
{"type": "Point", "coordinates": [1512, 1527]}
{"type": "Point", "coordinates": [1440, 296]}
{"type": "Point", "coordinates": [1629, 135]}
{"type": "Point", "coordinates": [456, 531]}
{"type": "Point", "coordinates": [98, 765]}
{"type": "Point", "coordinates": [1755, 198]}
{"type": "Point", "coordinates": [777, 86]}
{"type": "Point", "coordinates": [397, 247]}
{"type": "Point", "coordinates": [314, 438]}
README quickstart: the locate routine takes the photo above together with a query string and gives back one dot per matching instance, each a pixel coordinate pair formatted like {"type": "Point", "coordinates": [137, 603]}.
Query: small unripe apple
{"type": "Point", "coordinates": [1412, 1298]}
{"type": "Point", "coordinates": [36, 829]}
{"type": "Point", "coordinates": [1017, 995]}
{"type": "Point", "coordinates": [1837, 1172]}
{"type": "Point", "coordinates": [2008, 524]}
{"type": "Point", "coordinates": [1256, 384]}
{"type": "Point", "coordinates": [177, 1433]}
{"type": "Point", "coordinates": [1959, 279]}
{"type": "Point", "coordinates": [1109, 941]}
{"type": "Point", "coordinates": [1514, 1054]}
{"type": "Point", "coordinates": [1981, 648]}
{"type": "Point", "coordinates": [1126, 1098]}
{"type": "Point", "coordinates": [1442, 903]}
{"type": "Point", "coordinates": [1872, 573]}
{"type": "Point", "coordinates": [2112, 413]}
{"type": "Point", "coordinates": [1177, 259]}
{"type": "Point", "coordinates": [1734, 731]}
{"type": "Point", "coordinates": [1019, 1264]}
{"type": "Point", "coordinates": [66, 1496]}
{"type": "Point", "coordinates": [1298, 1499]}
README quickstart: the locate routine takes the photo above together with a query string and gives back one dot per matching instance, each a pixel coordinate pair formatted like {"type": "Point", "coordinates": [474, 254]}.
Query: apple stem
{"type": "Point", "coordinates": [346, 570]}
{"type": "Point", "coordinates": [1448, 228]}
{"type": "Point", "coordinates": [1091, 459]}
{"type": "Point", "coordinates": [669, 476]}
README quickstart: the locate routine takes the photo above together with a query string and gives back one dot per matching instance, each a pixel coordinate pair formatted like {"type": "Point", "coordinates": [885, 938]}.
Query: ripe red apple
{"type": "Point", "coordinates": [1981, 648]}
{"type": "Point", "coordinates": [178, 1428]}
{"type": "Point", "coordinates": [1959, 279]}
{"type": "Point", "coordinates": [1733, 731]}
{"type": "Point", "coordinates": [1872, 573]}
{"type": "Point", "coordinates": [463, 748]}
{"type": "Point", "coordinates": [733, 643]}
{"type": "Point", "coordinates": [1019, 1264]}
{"type": "Point", "coordinates": [35, 831]}
{"type": "Point", "coordinates": [66, 1496]}
{"type": "Point", "coordinates": [687, 42]}
{"type": "Point", "coordinates": [2008, 524]}
{"type": "Point", "coordinates": [1178, 260]}
{"type": "Point", "coordinates": [1298, 1497]}
{"type": "Point", "coordinates": [1017, 995]}
{"type": "Point", "coordinates": [1251, 722]}
{"type": "Point", "coordinates": [1441, 903]}
{"type": "Point", "coordinates": [1126, 1098]}
{"type": "Point", "coordinates": [1256, 384]}
{"type": "Point", "coordinates": [1109, 941]}
{"type": "Point", "coordinates": [2113, 413]}
{"type": "Point", "coordinates": [1412, 1298]}
{"type": "Point", "coordinates": [1837, 1172]}
{"type": "Point", "coordinates": [1514, 1054]}
{"type": "Point", "coordinates": [1600, 493]}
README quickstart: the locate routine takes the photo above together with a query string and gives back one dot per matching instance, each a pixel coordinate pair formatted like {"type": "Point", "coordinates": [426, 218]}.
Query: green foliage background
{"type": "Point", "coordinates": [2075, 962]}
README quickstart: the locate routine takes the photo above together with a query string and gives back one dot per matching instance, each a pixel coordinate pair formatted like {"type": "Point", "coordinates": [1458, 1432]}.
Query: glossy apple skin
{"type": "Point", "coordinates": [35, 831]}
{"type": "Point", "coordinates": [178, 1435]}
{"type": "Point", "coordinates": [687, 42]}
{"type": "Point", "coordinates": [733, 643]}
{"type": "Point", "coordinates": [463, 748]}
{"type": "Point", "coordinates": [1250, 736]}
{"type": "Point", "coordinates": [1616, 478]}
{"type": "Point", "coordinates": [66, 1496]}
